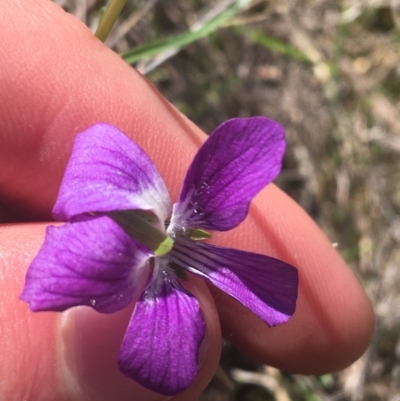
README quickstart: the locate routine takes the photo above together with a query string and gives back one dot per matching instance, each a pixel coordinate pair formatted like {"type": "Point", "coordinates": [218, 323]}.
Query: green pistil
{"type": "Point", "coordinates": [164, 247]}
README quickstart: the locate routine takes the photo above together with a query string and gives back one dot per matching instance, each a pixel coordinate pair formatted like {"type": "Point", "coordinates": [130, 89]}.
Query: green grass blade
{"type": "Point", "coordinates": [273, 44]}
{"type": "Point", "coordinates": [184, 39]}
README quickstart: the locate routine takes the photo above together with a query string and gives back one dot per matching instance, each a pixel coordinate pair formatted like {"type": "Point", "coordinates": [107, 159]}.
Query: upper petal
{"type": "Point", "coordinates": [87, 262]}
{"type": "Point", "coordinates": [107, 171]}
{"type": "Point", "coordinates": [239, 158]}
{"type": "Point", "coordinates": [161, 346]}
{"type": "Point", "coordinates": [265, 285]}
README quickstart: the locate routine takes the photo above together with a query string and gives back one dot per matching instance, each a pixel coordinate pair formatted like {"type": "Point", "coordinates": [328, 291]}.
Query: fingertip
{"type": "Point", "coordinates": [306, 344]}
{"type": "Point", "coordinates": [333, 322]}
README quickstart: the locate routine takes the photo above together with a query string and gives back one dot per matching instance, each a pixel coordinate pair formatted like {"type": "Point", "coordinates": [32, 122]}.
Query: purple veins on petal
{"type": "Point", "coordinates": [107, 171]}
{"type": "Point", "coordinates": [161, 346]}
{"type": "Point", "coordinates": [265, 285]}
{"type": "Point", "coordinates": [90, 261]}
{"type": "Point", "coordinates": [239, 158]}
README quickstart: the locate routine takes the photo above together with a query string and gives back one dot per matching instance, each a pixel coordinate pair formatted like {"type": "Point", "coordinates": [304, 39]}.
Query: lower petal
{"type": "Point", "coordinates": [265, 285]}
{"type": "Point", "coordinates": [91, 261]}
{"type": "Point", "coordinates": [161, 346]}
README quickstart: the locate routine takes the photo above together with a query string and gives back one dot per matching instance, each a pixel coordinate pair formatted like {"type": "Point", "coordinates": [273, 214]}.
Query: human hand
{"type": "Point", "coordinates": [57, 80]}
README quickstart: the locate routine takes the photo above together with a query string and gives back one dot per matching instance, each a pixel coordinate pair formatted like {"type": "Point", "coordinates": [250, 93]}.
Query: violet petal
{"type": "Point", "coordinates": [107, 171]}
{"type": "Point", "coordinates": [265, 285]}
{"type": "Point", "coordinates": [161, 346]}
{"type": "Point", "coordinates": [239, 158]}
{"type": "Point", "coordinates": [92, 262]}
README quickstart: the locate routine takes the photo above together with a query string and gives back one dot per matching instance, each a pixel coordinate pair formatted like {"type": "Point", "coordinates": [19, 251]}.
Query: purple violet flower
{"type": "Point", "coordinates": [118, 246]}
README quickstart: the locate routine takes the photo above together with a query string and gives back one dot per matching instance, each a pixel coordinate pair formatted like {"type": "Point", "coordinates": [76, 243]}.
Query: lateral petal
{"type": "Point", "coordinates": [161, 346]}
{"type": "Point", "coordinates": [107, 171]}
{"type": "Point", "coordinates": [265, 285]}
{"type": "Point", "coordinates": [91, 261]}
{"type": "Point", "coordinates": [239, 158]}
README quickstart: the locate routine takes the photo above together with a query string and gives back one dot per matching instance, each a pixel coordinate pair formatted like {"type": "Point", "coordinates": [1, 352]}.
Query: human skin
{"type": "Point", "coordinates": [56, 80]}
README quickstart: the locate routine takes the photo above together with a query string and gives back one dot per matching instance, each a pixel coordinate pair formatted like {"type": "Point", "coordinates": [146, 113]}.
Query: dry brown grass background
{"type": "Point", "coordinates": [340, 109]}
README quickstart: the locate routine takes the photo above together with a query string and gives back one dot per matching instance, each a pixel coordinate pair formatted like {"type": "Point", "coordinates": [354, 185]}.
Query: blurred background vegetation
{"type": "Point", "coordinates": [329, 71]}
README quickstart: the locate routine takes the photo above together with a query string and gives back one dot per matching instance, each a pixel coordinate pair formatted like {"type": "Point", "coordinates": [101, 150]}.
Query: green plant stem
{"type": "Point", "coordinates": [110, 16]}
